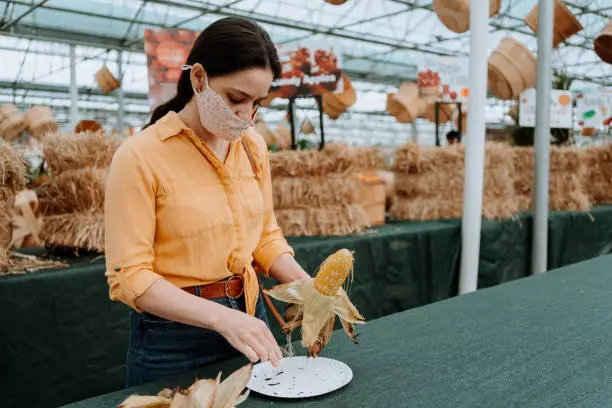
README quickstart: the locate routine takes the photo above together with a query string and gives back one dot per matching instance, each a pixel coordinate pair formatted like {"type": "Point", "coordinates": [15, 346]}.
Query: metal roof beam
{"type": "Point", "coordinates": [11, 23]}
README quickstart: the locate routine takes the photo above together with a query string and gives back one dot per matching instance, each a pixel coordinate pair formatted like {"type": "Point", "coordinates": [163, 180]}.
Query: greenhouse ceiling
{"type": "Point", "coordinates": [381, 40]}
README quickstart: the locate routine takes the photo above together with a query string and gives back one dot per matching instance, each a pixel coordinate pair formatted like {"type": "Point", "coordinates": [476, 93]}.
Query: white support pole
{"type": "Point", "coordinates": [120, 95]}
{"type": "Point", "coordinates": [539, 260]}
{"type": "Point", "coordinates": [474, 149]}
{"type": "Point", "coordinates": [74, 89]}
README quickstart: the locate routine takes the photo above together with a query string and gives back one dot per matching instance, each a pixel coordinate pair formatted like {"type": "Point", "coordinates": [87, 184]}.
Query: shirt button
{"type": "Point", "coordinates": [117, 268]}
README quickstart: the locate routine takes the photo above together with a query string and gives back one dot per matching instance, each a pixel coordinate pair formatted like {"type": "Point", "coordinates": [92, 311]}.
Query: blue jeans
{"type": "Point", "coordinates": [160, 348]}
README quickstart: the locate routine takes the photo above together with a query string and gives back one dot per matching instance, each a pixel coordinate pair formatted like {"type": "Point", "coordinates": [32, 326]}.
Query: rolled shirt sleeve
{"type": "Point", "coordinates": [129, 224]}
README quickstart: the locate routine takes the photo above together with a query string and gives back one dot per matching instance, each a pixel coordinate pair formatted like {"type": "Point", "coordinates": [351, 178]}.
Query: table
{"type": "Point", "coordinates": [536, 342]}
{"type": "Point", "coordinates": [63, 337]}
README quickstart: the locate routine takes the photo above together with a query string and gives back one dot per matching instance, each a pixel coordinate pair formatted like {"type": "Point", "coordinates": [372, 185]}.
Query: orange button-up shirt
{"type": "Point", "coordinates": [174, 211]}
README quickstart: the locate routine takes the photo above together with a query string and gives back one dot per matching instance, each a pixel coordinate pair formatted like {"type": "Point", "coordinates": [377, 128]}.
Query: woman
{"type": "Point", "coordinates": [189, 210]}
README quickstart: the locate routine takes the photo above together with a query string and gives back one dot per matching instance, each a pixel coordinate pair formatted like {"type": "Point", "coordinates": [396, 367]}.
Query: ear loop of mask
{"type": "Point", "coordinates": [187, 67]}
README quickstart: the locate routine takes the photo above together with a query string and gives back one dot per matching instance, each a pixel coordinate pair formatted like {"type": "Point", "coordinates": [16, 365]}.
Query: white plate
{"type": "Point", "coordinates": [300, 377]}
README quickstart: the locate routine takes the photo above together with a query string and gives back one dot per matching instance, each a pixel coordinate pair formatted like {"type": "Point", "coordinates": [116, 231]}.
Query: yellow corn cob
{"type": "Point", "coordinates": [333, 272]}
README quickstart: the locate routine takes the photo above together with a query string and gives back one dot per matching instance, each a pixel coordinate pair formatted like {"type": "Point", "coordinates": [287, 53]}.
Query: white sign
{"type": "Point", "coordinates": [448, 75]}
{"type": "Point", "coordinates": [594, 108]}
{"type": "Point", "coordinates": [560, 109]}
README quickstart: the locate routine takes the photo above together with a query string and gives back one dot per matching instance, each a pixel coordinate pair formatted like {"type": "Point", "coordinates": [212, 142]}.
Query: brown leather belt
{"type": "Point", "coordinates": [232, 287]}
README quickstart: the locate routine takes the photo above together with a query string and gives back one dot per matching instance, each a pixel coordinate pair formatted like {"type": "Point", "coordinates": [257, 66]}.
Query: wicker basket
{"type": "Point", "coordinates": [12, 122]}
{"type": "Point", "coordinates": [106, 80]}
{"type": "Point", "coordinates": [512, 69]}
{"type": "Point", "coordinates": [603, 43]}
{"type": "Point", "coordinates": [566, 23]}
{"type": "Point", "coordinates": [306, 127]}
{"type": "Point", "coordinates": [445, 112]}
{"type": "Point", "coordinates": [404, 108]}
{"type": "Point", "coordinates": [455, 14]}
{"type": "Point", "coordinates": [40, 120]}
{"type": "Point", "coordinates": [334, 104]}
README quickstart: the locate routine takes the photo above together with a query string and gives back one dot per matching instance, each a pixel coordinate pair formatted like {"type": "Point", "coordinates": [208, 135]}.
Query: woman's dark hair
{"type": "Point", "coordinates": [226, 46]}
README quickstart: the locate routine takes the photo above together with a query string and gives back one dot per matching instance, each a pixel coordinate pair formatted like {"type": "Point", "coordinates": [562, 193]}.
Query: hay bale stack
{"type": "Point", "coordinates": [598, 161]}
{"type": "Point", "coordinates": [568, 179]}
{"type": "Point", "coordinates": [429, 183]}
{"type": "Point", "coordinates": [317, 192]}
{"type": "Point", "coordinates": [12, 180]}
{"type": "Point", "coordinates": [72, 201]}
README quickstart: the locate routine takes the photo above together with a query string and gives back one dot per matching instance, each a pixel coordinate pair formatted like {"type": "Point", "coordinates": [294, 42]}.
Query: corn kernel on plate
{"type": "Point", "coordinates": [300, 377]}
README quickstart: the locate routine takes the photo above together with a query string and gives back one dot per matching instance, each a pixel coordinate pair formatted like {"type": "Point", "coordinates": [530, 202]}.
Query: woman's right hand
{"type": "Point", "coordinates": [250, 336]}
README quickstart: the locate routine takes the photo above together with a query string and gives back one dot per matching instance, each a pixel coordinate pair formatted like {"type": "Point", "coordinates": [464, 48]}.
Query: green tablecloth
{"type": "Point", "coordinates": [536, 342]}
{"type": "Point", "coordinates": [62, 336]}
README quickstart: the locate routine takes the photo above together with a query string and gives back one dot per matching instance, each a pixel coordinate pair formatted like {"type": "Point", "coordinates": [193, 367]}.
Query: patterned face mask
{"type": "Point", "coordinates": [216, 116]}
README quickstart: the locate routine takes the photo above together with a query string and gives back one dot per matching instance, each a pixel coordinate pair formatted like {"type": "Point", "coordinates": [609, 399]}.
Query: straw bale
{"type": "Point", "coordinates": [78, 230]}
{"type": "Point", "coordinates": [325, 221]}
{"type": "Point", "coordinates": [335, 158]}
{"type": "Point", "coordinates": [599, 163]}
{"type": "Point", "coordinates": [12, 169]}
{"type": "Point", "coordinates": [301, 192]}
{"type": "Point", "coordinates": [70, 151]}
{"type": "Point", "coordinates": [71, 191]}
{"type": "Point", "coordinates": [432, 185]}
{"type": "Point", "coordinates": [568, 179]}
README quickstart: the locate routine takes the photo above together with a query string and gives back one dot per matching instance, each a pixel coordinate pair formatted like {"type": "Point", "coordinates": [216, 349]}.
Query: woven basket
{"type": "Point", "coordinates": [334, 104]}
{"type": "Point", "coordinates": [404, 108]}
{"type": "Point", "coordinates": [566, 23]}
{"type": "Point", "coordinates": [306, 127]}
{"type": "Point", "coordinates": [87, 125]}
{"type": "Point", "coordinates": [603, 43]}
{"type": "Point", "coordinates": [512, 69]}
{"type": "Point", "coordinates": [445, 112]}
{"type": "Point", "coordinates": [106, 80]}
{"type": "Point", "coordinates": [40, 120]}
{"type": "Point", "coordinates": [12, 122]}
{"type": "Point", "coordinates": [455, 14]}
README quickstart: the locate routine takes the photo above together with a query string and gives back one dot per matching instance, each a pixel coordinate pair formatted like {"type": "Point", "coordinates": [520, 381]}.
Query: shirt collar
{"type": "Point", "coordinates": [170, 125]}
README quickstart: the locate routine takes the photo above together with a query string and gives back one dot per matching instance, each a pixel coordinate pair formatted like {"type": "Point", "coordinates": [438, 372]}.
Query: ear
{"type": "Point", "coordinates": [198, 77]}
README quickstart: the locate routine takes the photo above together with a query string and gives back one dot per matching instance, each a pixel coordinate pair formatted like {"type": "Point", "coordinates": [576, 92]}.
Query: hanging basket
{"type": "Point", "coordinates": [512, 69]}
{"type": "Point", "coordinates": [12, 122]}
{"type": "Point", "coordinates": [588, 131]}
{"type": "Point", "coordinates": [603, 43]}
{"type": "Point", "coordinates": [445, 112]}
{"type": "Point", "coordinates": [409, 89]}
{"type": "Point", "coordinates": [306, 127]}
{"type": "Point", "coordinates": [106, 80]}
{"type": "Point", "coordinates": [404, 108]}
{"type": "Point", "coordinates": [40, 120]}
{"type": "Point", "coordinates": [336, 2]}
{"type": "Point", "coordinates": [334, 104]}
{"type": "Point", "coordinates": [455, 14]}
{"type": "Point", "coordinates": [566, 24]}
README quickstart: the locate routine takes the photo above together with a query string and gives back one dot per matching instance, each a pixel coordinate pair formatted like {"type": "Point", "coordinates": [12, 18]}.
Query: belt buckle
{"type": "Point", "coordinates": [227, 283]}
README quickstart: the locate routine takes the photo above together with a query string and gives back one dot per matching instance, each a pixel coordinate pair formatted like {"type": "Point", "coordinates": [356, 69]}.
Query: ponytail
{"type": "Point", "coordinates": [184, 93]}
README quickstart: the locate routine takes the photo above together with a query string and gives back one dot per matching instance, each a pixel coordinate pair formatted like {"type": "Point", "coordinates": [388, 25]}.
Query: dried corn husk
{"type": "Point", "coordinates": [202, 394]}
{"type": "Point", "coordinates": [13, 263]}
{"type": "Point", "coordinates": [316, 302]}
